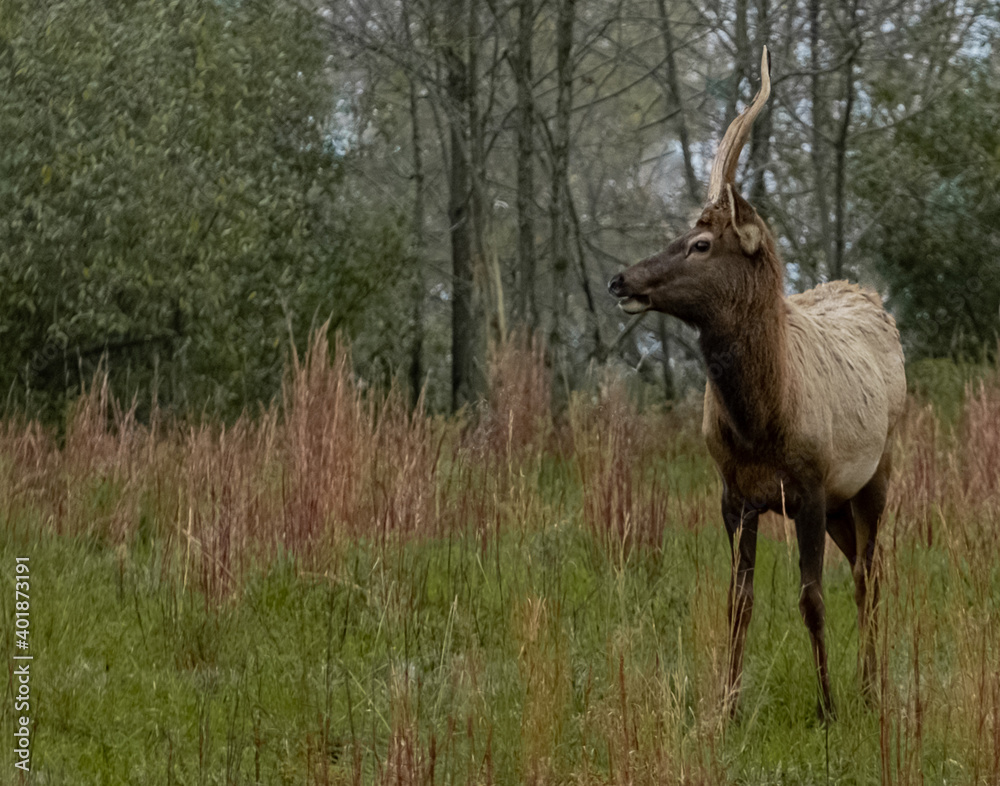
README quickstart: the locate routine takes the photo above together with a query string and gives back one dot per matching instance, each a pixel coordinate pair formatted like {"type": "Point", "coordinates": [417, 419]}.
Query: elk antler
{"type": "Point", "coordinates": [728, 155]}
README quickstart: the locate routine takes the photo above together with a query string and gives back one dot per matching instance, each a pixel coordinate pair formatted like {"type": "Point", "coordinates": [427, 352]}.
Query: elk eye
{"type": "Point", "coordinates": [701, 246]}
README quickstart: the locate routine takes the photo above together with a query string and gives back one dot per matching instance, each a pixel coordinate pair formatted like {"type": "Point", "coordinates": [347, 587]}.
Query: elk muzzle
{"type": "Point", "coordinates": [628, 301]}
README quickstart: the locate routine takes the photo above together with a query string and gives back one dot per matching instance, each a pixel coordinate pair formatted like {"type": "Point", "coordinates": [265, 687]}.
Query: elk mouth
{"type": "Point", "coordinates": [635, 304]}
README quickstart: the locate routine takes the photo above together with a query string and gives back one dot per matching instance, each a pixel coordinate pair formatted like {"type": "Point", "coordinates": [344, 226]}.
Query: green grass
{"type": "Point", "coordinates": [536, 656]}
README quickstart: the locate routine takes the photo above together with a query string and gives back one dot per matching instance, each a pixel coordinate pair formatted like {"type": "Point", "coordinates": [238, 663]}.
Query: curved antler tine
{"type": "Point", "coordinates": [728, 155]}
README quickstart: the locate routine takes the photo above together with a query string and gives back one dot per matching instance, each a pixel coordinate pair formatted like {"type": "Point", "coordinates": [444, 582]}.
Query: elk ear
{"type": "Point", "coordinates": [746, 223]}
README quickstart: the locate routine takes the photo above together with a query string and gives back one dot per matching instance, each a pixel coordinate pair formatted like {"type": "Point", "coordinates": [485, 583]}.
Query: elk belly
{"type": "Point", "coordinates": [848, 477]}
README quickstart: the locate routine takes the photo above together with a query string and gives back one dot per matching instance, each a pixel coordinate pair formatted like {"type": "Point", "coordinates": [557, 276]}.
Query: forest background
{"type": "Point", "coordinates": [188, 187]}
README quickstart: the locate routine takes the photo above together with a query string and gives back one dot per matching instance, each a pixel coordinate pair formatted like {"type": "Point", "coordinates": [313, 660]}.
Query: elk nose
{"type": "Point", "coordinates": [617, 285]}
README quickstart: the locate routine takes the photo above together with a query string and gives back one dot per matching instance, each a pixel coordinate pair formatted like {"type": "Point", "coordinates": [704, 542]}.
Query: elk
{"type": "Point", "coordinates": [802, 398]}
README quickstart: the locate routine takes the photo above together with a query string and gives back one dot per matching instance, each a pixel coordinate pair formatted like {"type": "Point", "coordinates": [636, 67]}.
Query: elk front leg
{"type": "Point", "coordinates": [810, 530]}
{"type": "Point", "coordinates": [741, 526]}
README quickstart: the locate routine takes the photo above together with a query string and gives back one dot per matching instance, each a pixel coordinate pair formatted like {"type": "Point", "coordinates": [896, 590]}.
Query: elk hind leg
{"type": "Point", "coordinates": [868, 506]}
{"type": "Point", "coordinates": [840, 526]}
{"type": "Point", "coordinates": [810, 530]}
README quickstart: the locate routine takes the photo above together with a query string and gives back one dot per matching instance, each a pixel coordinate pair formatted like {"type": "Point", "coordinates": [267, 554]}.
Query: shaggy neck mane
{"type": "Point", "coordinates": [746, 355]}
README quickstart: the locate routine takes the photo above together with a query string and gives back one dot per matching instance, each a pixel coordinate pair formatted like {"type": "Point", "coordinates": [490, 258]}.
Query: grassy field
{"type": "Point", "coordinates": [339, 591]}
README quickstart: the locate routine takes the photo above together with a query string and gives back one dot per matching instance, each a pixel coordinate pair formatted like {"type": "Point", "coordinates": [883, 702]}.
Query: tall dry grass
{"type": "Point", "coordinates": [619, 455]}
{"type": "Point", "coordinates": [353, 465]}
{"type": "Point", "coordinates": [943, 472]}
{"type": "Point", "coordinates": [940, 645]}
{"type": "Point", "coordinates": [327, 462]}
{"type": "Point", "coordinates": [330, 461]}
{"type": "Point", "coordinates": [517, 419]}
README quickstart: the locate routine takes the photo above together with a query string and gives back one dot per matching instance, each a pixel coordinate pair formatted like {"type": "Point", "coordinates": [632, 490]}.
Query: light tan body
{"type": "Point", "coordinates": [844, 392]}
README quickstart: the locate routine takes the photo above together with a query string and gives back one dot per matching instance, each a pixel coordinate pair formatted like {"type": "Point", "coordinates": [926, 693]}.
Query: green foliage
{"type": "Point", "coordinates": [931, 187]}
{"type": "Point", "coordinates": [171, 199]}
{"type": "Point", "coordinates": [942, 382]}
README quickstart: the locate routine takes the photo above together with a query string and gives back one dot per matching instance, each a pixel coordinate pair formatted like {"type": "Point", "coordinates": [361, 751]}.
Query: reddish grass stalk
{"type": "Point", "coordinates": [623, 505]}
{"type": "Point", "coordinates": [518, 416]}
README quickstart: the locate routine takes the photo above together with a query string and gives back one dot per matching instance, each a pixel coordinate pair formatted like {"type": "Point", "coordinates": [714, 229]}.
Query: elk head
{"type": "Point", "coordinates": [727, 255]}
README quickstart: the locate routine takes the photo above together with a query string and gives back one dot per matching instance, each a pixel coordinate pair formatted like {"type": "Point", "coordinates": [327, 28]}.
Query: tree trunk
{"type": "Point", "coordinates": [526, 304]}
{"type": "Point", "coordinates": [477, 154]}
{"type": "Point", "coordinates": [459, 187]}
{"type": "Point", "coordinates": [487, 279]}
{"type": "Point", "coordinates": [416, 370]}
{"type": "Point", "coordinates": [588, 295]}
{"type": "Point", "coordinates": [669, 389]}
{"type": "Point", "coordinates": [818, 141]}
{"type": "Point", "coordinates": [760, 139]}
{"type": "Point", "coordinates": [741, 60]}
{"type": "Point", "coordinates": [694, 189]}
{"type": "Point", "coordinates": [673, 86]}
{"type": "Point", "coordinates": [560, 159]}
{"type": "Point", "coordinates": [840, 149]}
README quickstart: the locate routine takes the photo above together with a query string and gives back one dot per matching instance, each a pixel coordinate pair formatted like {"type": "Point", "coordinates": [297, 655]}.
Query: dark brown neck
{"type": "Point", "coordinates": [745, 359]}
